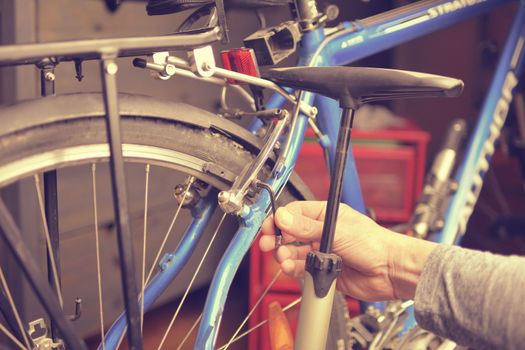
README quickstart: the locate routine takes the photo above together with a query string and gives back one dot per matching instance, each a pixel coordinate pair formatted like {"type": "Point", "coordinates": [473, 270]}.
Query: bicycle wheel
{"type": "Point", "coordinates": [68, 133]}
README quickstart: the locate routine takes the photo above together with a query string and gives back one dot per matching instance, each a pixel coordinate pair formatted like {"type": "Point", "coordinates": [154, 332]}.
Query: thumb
{"type": "Point", "coordinates": [298, 225]}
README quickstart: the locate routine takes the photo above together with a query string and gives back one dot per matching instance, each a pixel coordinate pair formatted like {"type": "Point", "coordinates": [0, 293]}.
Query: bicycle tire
{"type": "Point", "coordinates": [196, 139]}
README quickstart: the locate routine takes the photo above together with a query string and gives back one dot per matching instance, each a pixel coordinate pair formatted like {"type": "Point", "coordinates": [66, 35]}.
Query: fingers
{"type": "Point", "coordinates": [292, 259]}
{"type": "Point", "coordinates": [267, 227]}
{"type": "Point", "coordinates": [311, 209]}
{"type": "Point", "coordinates": [294, 223]}
{"type": "Point", "coordinates": [267, 243]}
{"type": "Point", "coordinates": [293, 252]}
{"type": "Point", "coordinates": [293, 268]}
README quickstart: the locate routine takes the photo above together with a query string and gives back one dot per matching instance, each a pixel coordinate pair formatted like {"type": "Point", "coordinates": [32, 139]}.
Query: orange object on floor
{"type": "Point", "coordinates": [281, 337]}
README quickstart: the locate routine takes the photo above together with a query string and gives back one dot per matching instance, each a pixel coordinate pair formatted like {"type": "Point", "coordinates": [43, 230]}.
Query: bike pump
{"type": "Point", "coordinates": [322, 266]}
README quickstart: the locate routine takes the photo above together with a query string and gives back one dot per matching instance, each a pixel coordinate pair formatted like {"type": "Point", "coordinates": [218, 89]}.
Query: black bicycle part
{"type": "Point", "coordinates": [165, 7]}
{"type": "Point", "coordinates": [323, 265]}
{"type": "Point", "coordinates": [268, 188]}
{"type": "Point", "coordinates": [108, 70]}
{"type": "Point", "coordinates": [324, 269]}
{"type": "Point", "coordinates": [272, 45]}
{"type": "Point", "coordinates": [336, 180]}
{"type": "Point", "coordinates": [203, 11]}
{"type": "Point", "coordinates": [265, 114]}
{"type": "Point", "coordinates": [113, 5]}
{"type": "Point", "coordinates": [78, 310]}
{"type": "Point", "coordinates": [78, 69]}
{"type": "Point", "coordinates": [354, 86]}
{"type": "Point", "coordinates": [258, 97]}
{"type": "Point", "coordinates": [13, 239]}
{"type": "Point", "coordinates": [47, 88]}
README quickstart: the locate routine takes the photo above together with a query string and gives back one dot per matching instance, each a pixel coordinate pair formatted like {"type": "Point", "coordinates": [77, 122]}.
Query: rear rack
{"type": "Point", "coordinates": [92, 49]}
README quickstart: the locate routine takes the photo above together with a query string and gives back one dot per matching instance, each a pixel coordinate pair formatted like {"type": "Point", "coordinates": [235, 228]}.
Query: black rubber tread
{"type": "Point", "coordinates": [66, 108]}
{"type": "Point", "coordinates": [204, 143]}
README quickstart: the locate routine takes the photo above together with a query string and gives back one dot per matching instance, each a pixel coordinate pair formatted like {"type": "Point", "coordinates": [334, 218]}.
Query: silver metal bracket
{"type": "Point", "coordinates": [38, 332]}
{"type": "Point", "coordinates": [310, 111]}
{"type": "Point", "coordinates": [160, 57]}
{"type": "Point", "coordinates": [232, 201]}
{"type": "Point", "coordinates": [166, 260]}
{"type": "Point", "coordinates": [202, 61]}
{"type": "Point", "coordinates": [160, 68]}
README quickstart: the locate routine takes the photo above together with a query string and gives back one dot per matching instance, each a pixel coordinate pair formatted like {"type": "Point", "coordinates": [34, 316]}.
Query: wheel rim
{"type": "Point", "coordinates": [77, 155]}
{"type": "Point", "coordinates": [96, 153]}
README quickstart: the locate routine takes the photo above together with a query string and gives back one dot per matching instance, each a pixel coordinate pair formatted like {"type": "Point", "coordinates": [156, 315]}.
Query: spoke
{"type": "Point", "coordinates": [121, 337]}
{"type": "Point", "coordinates": [13, 306]}
{"type": "Point", "coordinates": [13, 338]}
{"type": "Point", "coordinates": [173, 220]}
{"type": "Point", "coordinates": [263, 294]}
{"type": "Point", "coordinates": [189, 332]}
{"type": "Point", "coordinates": [262, 323]}
{"type": "Point", "coordinates": [48, 239]}
{"type": "Point", "coordinates": [168, 232]}
{"type": "Point", "coordinates": [97, 243]}
{"type": "Point", "coordinates": [191, 283]}
{"type": "Point", "coordinates": [146, 190]}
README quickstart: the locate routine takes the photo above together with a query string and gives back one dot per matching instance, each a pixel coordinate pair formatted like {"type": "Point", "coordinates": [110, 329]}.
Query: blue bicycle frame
{"type": "Point", "coordinates": [355, 41]}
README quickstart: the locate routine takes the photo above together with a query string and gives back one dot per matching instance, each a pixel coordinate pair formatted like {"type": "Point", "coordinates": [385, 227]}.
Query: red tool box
{"type": "Point", "coordinates": [391, 165]}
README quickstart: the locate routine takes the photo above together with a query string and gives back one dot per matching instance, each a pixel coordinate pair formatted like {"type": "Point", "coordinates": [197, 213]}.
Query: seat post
{"type": "Point", "coordinates": [336, 178]}
{"type": "Point", "coordinates": [323, 267]}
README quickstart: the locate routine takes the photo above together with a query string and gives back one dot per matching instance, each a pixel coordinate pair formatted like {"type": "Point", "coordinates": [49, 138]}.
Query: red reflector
{"type": "Point", "coordinates": [241, 60]}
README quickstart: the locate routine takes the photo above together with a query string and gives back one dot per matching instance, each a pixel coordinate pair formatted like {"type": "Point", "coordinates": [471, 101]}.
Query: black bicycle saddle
{"type": "Point", "coordinates": [164, 7]}
{"type": "Point", "coordinates": [354, 86]}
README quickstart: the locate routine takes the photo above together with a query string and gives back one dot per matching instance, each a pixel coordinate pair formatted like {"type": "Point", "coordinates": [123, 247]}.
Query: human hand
{"type": "Point", "coordinates": [378, 264]}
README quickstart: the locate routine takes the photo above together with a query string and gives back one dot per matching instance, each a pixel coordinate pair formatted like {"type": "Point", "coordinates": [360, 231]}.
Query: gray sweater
{"type": "Point", "coordinates": [476, 299]}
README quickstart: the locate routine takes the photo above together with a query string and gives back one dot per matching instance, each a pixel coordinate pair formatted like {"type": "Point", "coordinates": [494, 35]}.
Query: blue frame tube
{"type": "Point", "coordinates": [238, 247]}
{"type": "Point", "coordinates": [171, 264]}
{"type": "Point", "coordinates": [481, 145]}
{"type": "Point", "coordinates": [366, 37]}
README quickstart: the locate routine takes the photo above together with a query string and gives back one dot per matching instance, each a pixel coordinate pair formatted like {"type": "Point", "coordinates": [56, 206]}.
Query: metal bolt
{"type": "Point", "coordinates": [169, 69]}
{"type": "Point", "coordinates": [223, 196]}
{"type": "Point", "coordinates": [49, 76]}
{"type": "Point", "coordinates": [111, 68]}
{"type": "Point", "coordinates": [179, 190]}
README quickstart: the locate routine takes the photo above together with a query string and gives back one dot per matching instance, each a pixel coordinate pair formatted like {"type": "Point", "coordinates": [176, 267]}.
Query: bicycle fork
{"type": "Point", "coordinates": [323, 267]}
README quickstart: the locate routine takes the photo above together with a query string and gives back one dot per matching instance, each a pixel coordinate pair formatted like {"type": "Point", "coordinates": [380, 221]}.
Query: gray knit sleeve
{"type": "Point", "coordinates": [476, 299]}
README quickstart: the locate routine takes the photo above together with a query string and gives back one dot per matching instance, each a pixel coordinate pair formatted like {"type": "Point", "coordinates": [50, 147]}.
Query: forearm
{"type": "Point", "coordinates": [407, 258]}
{"type": "Point", "coordinates": [473, 298]}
